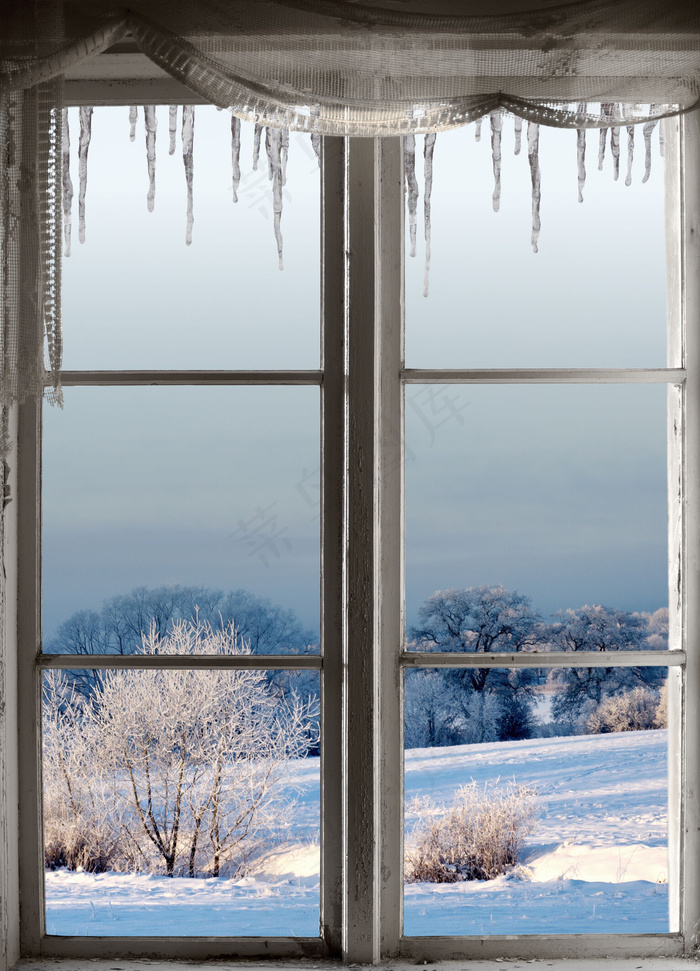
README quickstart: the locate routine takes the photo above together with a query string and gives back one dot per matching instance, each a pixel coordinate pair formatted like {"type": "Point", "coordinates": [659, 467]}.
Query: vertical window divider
{"type": "Point", "coordinates": [674, 437]}
{"type": "Point", "coordinates": [333, 460]}
{"type": "Point", "coordinates": [390, 314]}
{"type": "Point", "coordinates": [31, 844]}
{"type": "Point", "coordinates": [684, 294]}
{"type": "Point", "coordinates": [362, 916]}
{"type": "Point", "coordinates": [374, 550]}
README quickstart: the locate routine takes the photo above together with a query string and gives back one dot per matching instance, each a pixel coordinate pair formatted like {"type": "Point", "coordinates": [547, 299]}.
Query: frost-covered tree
{"type": "Point", "coordinates": [580, 690]}
{"type": "Point", "coordinates": [482, 620]}
{"type": "Point", "coordinates": [125, 620]}
{"type": "Point", "coordinates": [429, 710]}
{"type": "Point", "coordinates": [632, 711]}
{"type": "Point", "coordinates": [192, 759]}
{"type": "Point", "coordinates": [81, 822]}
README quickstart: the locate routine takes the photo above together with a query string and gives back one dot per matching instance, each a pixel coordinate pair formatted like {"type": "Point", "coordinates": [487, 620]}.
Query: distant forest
{"type": "Point", "coordinates": [442, 706]}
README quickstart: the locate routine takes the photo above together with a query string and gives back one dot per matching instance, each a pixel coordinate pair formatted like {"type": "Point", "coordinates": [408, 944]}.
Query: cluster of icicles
{"type": "Point", "coordinates": [277, 150]}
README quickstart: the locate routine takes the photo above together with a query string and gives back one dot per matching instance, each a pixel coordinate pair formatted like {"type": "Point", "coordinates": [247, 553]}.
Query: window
{"type": "Point", "coordinates": [362, 664]}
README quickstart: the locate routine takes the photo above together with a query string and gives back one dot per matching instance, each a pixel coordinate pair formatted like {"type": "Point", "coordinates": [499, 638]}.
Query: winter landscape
{"type": "Point", "coordinates": [596, 863]}
{"type": "Point", "coordinates": [187, 801]}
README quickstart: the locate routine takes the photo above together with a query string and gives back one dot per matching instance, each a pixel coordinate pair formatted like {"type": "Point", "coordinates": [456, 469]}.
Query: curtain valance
{"type": "Point", "coordinates": [328, 67]}
{"type": "Point", "coordinates": [339, 67]}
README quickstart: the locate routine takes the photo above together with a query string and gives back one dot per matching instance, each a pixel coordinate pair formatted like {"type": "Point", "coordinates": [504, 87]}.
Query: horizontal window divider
{"type": "Point", "coordinates": [553, 659]}
{"type": "Point", "coordinates": [199, 662]}
{"type": "Point", "coordinates": [544, 376]}
{"type": "Point", "coordinates": [71, 379]}
{"type": "Point", "coordinates": [539, 947]}
{"type": "Point", "coordinates": [182, 948]}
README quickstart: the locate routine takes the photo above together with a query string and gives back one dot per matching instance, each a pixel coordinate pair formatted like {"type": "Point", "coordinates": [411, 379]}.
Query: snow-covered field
{"type": "Point", "coordinates": [597, 862]}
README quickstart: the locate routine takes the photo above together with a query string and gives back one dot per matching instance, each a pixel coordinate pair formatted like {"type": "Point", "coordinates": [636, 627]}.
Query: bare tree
{"type": "Point", "coordinates": [193, 759]}
{"type": "Point", "coordinates": [484, 620]}
{"type": "Point", "coordinates": [604, 630]}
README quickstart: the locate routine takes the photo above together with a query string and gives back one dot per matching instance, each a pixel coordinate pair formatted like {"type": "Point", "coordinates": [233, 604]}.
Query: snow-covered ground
{"type": "Point", "coordinates": [597, 862]}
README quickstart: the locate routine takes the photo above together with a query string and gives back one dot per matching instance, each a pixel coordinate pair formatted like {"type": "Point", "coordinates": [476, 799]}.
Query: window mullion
{"type": "Point", "coordinates": [31, 843]}
{"type": "Point", "coordinates": [390, 601]}
{"type": "Point", "coordinates": [361, 649]}
{"type": "Point", "coordinates": [333, 440]}
{"type": "Point", "coordinates": [684, 289]}
{"type": "Point", "coordinates": [31, 852]}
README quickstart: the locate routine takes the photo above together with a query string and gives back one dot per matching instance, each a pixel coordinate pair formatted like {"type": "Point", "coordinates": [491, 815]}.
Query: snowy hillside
{"type": "Point", "coordinates": [597, 862]}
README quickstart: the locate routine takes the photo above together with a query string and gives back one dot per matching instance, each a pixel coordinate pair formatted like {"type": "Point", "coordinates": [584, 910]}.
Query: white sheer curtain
{"type": "Point", "coordinates": [324, 66]}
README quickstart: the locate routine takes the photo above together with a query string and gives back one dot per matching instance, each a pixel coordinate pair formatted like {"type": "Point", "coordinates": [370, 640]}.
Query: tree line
{"type": "Point", "coordinates": [451, 706]}
{"type": "Point", "coordinates": [442, 706]}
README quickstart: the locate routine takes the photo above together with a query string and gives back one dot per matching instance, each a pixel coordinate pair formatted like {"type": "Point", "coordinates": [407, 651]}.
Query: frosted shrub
{"type": "Point", "coordinates": [661, 715]}
{"type": "Point", "coordinates": [81, 825]}
{"type": "Point", "coordinates": [480, 837]}
{"type": "Point", "coordinates": [183, 766]}
{"type": "Point", "coordinates": [632, 711]}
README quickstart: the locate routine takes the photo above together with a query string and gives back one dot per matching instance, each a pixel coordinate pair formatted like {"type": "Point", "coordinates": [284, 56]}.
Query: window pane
{"type": "Point", "coordinates": [536, 802]}
{"type": "Point", "coordinates": [181, 803]}
{"type": "Point", "coordinates": [593, 296]}
{"type": "Point", "coordinates": [162, 503]}
{"type": "Point", "coordinates": [135, 296]}
{"type": "Point", "coordinates": [556, 492]}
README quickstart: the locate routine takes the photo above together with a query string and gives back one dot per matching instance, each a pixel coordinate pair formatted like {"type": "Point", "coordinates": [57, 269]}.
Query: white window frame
{"type": "Point", "coordinates": [362, 382]}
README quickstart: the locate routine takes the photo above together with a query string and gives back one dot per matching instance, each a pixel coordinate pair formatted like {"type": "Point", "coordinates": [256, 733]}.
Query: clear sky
{"type": "Point", "coordinates": [558, 493]}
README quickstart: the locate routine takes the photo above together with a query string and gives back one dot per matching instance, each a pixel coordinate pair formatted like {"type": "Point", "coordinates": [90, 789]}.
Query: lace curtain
{"type": "Point", "coordinates": [329, 67]}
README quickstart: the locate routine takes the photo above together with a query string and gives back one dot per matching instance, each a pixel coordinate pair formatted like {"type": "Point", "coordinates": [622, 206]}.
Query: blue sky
{"type": "Point", "coordinates": [557, 492]}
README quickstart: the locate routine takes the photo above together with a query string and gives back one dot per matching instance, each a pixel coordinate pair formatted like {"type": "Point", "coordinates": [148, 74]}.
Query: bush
{"type": "Point", "coordinates": [480, 837]}
{"type": "Point", "coordinates": [80, 832]}
{"type": "Point", "coordinates": [661, 716]}
{"type": "Point", "coordinates": [175, 771]}
{"type": "Point", "coordinates": [633, 711]}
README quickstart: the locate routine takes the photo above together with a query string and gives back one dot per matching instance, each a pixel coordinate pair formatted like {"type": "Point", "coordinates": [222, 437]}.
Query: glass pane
{"type": "Point", "coordinates": [593, 296]}
{"type": "Point", "coordinates": [536, 801]}
{"type": "Point", "coordinates": [162, 503]}
{"type": "Point", "coordinates": [135, 296]}
{"type": "Point", "coordinates": [181, 803]}
{"type": "Point", "coordinates": [555, 492]}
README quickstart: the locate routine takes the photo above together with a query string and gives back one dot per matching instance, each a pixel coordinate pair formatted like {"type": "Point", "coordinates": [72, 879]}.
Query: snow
{"type": "Point", "coordinates": [597, 862]}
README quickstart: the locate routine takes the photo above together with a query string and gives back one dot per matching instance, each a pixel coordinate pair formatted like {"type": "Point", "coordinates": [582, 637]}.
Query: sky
{"type": "Point", "coordinates": [559, 493]}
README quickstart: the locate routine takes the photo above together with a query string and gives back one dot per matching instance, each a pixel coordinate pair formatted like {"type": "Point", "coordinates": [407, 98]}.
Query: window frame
{"type": "Point", "coordinates": [362, 384]}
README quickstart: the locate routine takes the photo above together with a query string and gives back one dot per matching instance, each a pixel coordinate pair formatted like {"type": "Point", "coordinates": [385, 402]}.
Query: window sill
{"type": "Point", "coordinates": [515, 964]}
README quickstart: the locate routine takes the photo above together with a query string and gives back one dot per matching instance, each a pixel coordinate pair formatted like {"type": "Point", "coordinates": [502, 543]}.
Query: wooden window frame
{"type": "Point", "coordinates": [362, 379]}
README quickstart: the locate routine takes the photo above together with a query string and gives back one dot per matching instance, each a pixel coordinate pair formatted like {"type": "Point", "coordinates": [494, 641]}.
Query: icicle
{"type": "Point", "coordinates": [661, 140]}
{"type": "Point", "coordinates": [428, 150]}
{"type": "Point", "coordinates": [496, 119]}
{"type": "Point", "coordinates": [518, 129]}
{"type": "Point", "coordinates": [284, 154]}
{"type": "Point", "coordinates": [188, 160]}
{"type": "Point", "coordinates": [581, 160]}
{"type": "Point", "coordinates": [647, 131]}
{"type": "Point", "coordinates": [409, 154]}
{"type": "Point", "coordinates": [150, 124]}
{"type": "Point", "coordinates": [477, 129]}
{"type": "Point", "coordinates": [83, 146]}
{"type": "Point", "coordinates": [235, 155]}
{"type": "Point", "coordinates": [601, 147]}
{"type": "Point", "coordinates": [630, 154]}
{"type": "Point", "coordinates": [257, 132]}
{"type": "Point", "coordinates": [273, 148]}
{"type": "Point", "coordinates": [315, 137]}
{"type": "Point", "coordinates": [172, 128]}
{"type": "Point", "coordinates": [615, 151]}
{"type": "Point", "coordinates": [67, 184]}
{"type": "Point", "coordinates": [533, 143]}
{"type": "Point", "coordinates": [133, 118]}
